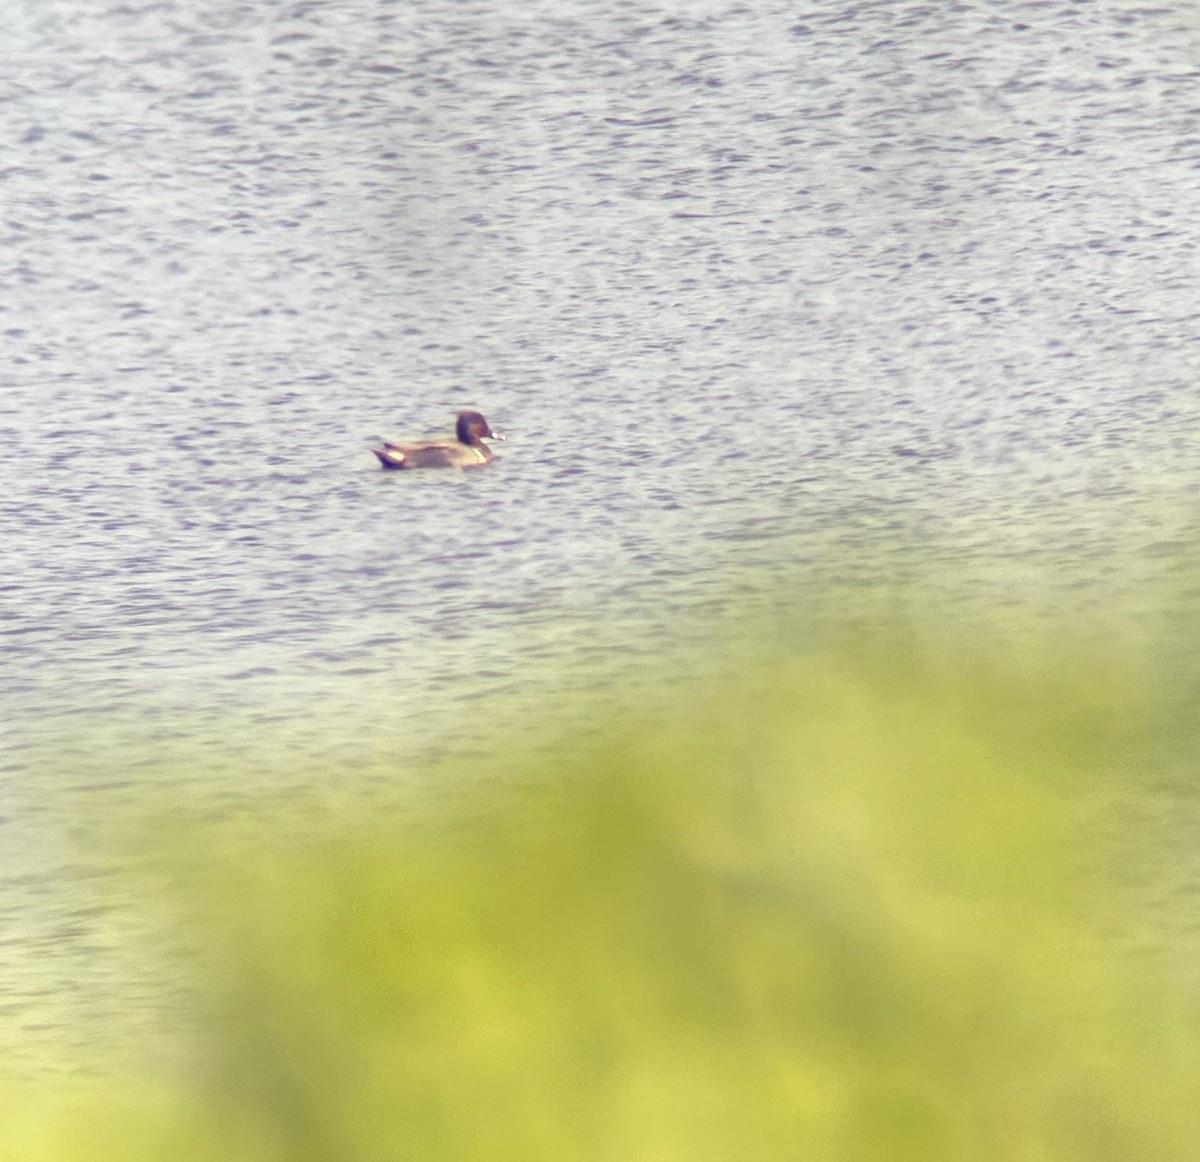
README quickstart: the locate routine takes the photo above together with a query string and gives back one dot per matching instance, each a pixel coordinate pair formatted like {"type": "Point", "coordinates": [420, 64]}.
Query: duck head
{"type": "Point", "coordinates": [473, 429]}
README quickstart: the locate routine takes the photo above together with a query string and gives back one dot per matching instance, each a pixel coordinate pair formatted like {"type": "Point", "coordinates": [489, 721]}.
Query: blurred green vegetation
{"type": "Point", "coordinates": [846, 906]}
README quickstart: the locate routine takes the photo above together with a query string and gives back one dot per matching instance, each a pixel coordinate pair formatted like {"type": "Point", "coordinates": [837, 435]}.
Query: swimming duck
{"type": "Point", "coordinates": [466, 450]}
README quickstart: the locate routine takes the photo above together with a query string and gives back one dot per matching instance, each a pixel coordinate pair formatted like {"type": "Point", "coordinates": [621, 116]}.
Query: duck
{"type": "Point", "coordinates": [465, 450]}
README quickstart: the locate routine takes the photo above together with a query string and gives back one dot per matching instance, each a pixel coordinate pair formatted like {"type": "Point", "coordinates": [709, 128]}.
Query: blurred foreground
{"type": "Point", "coordinates": [849, 908]}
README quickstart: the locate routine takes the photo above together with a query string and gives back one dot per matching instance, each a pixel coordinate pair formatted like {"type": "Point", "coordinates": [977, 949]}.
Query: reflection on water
{"type": "Point", "coordinates": [766, 300]}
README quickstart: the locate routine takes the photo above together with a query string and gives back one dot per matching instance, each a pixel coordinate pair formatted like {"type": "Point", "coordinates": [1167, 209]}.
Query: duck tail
{"type": "Point", "coordinates": [389, 457]}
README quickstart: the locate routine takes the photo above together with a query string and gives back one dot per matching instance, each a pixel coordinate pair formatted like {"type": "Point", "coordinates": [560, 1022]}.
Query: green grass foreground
{"type": "Point", "coordinates": [850, 910]}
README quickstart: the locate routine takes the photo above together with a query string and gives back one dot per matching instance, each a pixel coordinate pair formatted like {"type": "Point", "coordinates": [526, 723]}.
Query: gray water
{"type": "Point", "coordinates": [770, 302]}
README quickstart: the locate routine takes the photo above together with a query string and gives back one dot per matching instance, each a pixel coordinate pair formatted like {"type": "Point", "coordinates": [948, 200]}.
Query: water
{"type": "Point", "coordinates": [764, 298]}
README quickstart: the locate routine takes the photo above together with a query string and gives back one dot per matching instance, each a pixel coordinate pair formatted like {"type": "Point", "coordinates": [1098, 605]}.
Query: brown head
{"type": "Point", "coordinates": [473, 429]}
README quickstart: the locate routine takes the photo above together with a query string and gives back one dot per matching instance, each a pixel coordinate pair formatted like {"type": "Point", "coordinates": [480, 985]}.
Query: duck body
{"type": "Point", "coordinates": [465, 450]}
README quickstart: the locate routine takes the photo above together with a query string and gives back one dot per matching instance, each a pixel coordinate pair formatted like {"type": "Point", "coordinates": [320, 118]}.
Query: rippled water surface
{"type": "Point", "coordinates": [764, 299]}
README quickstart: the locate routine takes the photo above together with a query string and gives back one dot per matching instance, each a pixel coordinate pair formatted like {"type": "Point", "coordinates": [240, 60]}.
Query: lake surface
{"type": "Point", "coordinates": [772, 303]}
